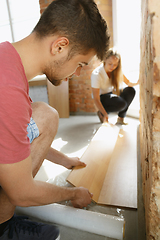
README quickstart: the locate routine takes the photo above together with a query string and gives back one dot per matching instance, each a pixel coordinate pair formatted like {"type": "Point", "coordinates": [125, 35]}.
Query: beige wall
{"type": "Point", "coordinates": [150, 114]}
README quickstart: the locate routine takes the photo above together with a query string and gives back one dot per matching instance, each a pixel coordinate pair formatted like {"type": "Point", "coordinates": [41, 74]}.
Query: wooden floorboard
{"type": "Point", "coordinates": [120, 184]}
{"type": "Point", "coordinates": [111, 172]}
{"type": "Point", "coordinates": [97, 157]}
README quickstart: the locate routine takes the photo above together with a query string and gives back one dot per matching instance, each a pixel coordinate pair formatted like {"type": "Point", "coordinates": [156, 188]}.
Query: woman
{"type": "Point", "coordinates": [106, 83]}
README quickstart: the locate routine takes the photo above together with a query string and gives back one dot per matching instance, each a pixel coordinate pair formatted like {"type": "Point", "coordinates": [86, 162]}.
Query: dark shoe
{"type": "Point", "coordinates": [20, 228]}
{"type": "Point", "coordinates": [100, 115]}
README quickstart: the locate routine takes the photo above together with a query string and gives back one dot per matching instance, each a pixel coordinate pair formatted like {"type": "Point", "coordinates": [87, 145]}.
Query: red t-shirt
{"type": "Point", "coordinates": [15, 106]}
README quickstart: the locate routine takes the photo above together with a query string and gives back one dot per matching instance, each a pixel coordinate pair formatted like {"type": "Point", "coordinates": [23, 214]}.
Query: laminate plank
{"type": "Point", "coordinates": [97, 157]}
{"type": "Point", "coordinates": [120, 184]}
{"type": "Point", "coordinates": [111, 171]}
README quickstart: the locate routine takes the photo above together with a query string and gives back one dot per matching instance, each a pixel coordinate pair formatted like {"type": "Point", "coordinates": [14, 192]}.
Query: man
{"type": "Point", "coordinates": [67, 36]}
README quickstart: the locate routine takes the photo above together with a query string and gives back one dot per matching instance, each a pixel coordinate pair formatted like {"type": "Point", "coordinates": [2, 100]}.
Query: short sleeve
{"type": "Point", "coordinates": [95, 79]}
{"type": "Point", "coordinates": [15, 113]}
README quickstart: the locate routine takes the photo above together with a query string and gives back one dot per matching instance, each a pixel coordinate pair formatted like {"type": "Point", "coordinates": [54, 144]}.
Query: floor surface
{"type": "Point", "coordinates": [73, 137]}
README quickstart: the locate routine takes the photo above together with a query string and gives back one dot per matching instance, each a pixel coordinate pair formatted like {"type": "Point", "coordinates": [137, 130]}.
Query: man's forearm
{"type": "Point", "coordinates": [23, 190]}
{"type": "Point", "coordinates": [56, 156]}
{"type": "Point", "coordinates": [61, 159]}
{"type": "Point", "coordinates": [42, 193]}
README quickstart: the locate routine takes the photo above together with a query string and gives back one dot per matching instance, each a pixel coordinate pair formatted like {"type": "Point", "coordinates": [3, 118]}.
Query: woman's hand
{"type": "Point", "coordinates": [136, 83]}
{"type": "Point", "coordinates": [103, 118]}
{"type": "Point", "coordinates": [130, 84]}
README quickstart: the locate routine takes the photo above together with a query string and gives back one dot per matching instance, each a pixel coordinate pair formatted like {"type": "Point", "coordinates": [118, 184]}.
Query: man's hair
{"type": "Point", "coordinates": [79, 21]}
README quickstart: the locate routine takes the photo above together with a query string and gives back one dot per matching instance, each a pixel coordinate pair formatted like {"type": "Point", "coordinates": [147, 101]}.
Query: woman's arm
{"type": "Point", "coordinates": [130, 84]}
{"type": "Point", "coordinates": [99, 104]}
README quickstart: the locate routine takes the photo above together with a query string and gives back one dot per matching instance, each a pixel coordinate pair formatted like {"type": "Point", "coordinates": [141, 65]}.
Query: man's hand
{"type": "Point", "coordinates": [73, 162]}
{"type": "Point", "coordinates": [62, 159]}
{"type": "Point", "coordinates": [82, 197]}
{"type": "Point", "coordinates": [22, 190]}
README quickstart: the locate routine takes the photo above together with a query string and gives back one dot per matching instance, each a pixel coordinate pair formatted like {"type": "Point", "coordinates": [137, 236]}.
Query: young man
{"type": "Point", "coordinates": [67, 36]}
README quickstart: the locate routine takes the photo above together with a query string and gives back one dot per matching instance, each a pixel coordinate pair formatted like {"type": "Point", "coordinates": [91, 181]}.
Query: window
{"type": "Point", "coordinates": [126, 31]}
{"type": "Point", "coordinates": [17, 18]}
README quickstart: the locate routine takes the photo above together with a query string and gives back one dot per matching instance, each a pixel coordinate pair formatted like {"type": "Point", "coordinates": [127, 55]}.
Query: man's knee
{"type": "Point", "coordinates": [46, 117]}
{"type": "Point", "coordinates": [51, 120]}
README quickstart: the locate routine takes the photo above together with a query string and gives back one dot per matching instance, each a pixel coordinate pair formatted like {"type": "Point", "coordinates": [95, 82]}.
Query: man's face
{"type": "Point", "coordinates": [63, 69]}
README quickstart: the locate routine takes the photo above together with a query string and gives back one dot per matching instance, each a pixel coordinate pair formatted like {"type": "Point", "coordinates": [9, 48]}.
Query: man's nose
{"type": "Point", "coordinates": [78, 71]}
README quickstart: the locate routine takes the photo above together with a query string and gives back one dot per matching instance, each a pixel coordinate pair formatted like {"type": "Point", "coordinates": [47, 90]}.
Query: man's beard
{"type": "Point", "coordinates": [54, 81]}
{"type": "Point", "coordinates": [51, 70]}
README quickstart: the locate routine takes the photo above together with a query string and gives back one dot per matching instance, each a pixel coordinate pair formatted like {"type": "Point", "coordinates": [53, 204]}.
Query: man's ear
{"type": "Point", "coordinates": [58, 45]}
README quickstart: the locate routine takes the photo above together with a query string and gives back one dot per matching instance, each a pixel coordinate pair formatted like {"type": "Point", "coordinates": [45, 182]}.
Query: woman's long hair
{"type": "Point", "coordinates": [116, 75]}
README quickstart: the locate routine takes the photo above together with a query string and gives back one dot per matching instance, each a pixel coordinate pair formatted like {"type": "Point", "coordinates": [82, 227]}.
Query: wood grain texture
{"type": "Point", "coordinates": [120, 184]}
{"type": "Point", "coordinates": [97, 157]}
{"type": "Point", "coordinates": [58, 97]}
{"type": "Point", "coordinates": [111, 172]}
